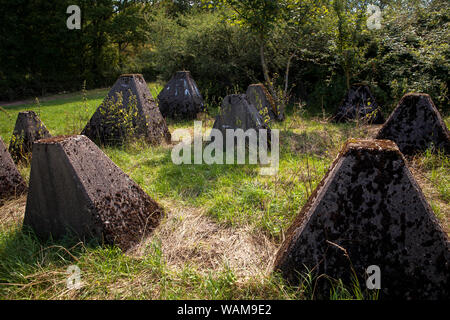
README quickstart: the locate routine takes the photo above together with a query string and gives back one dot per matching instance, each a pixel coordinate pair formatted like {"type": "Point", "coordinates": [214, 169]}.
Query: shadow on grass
{"type": "Point", "coordinates": [57, 100]}
{"type": "Point", "coordinates": [317, 143]}
{"type": "Point", "coordinates": [190, 181]}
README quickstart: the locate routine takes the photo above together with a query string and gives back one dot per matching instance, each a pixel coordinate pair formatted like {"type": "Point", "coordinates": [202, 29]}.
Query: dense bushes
{"type": "Point", "coordinates": [220, 57]}
{"type": "Point", "coordinates": [328, 48]}
{"type": "Point", "coordinates": [413, 54]}
{"type": "Point", "coordinates": [37, 51]}
{"type": "Point", "coordinates": [39, 54]}
{"type": "Point", "coordinates": [407, 54]}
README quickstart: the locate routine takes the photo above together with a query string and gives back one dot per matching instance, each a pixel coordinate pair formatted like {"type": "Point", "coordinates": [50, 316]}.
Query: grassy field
{"type": "Point", "coordinates": [223, 226]}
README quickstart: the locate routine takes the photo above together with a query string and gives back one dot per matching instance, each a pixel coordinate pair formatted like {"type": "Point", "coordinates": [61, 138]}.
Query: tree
{"type": "Point", "coordinates": [126, 27]}
{"type": "Point", "coordinates": [259, 17]}
{"type": "Point", "coordinates": [351, 41]}
{"type": "Point", "coordinates": [290, 19]}
{"type": "Point", "coordinates": [296, 31]}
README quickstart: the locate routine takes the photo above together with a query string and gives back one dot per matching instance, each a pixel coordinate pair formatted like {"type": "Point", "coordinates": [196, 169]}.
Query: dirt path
{"type": "Point", "coordinates": [47, 98]}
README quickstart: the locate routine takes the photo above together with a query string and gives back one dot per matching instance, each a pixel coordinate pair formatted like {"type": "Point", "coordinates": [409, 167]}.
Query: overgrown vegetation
{"type": "Point", "coordinates": [119, 118]}
{"type": "Point", "coordinates": [224, 222]}
{"type": "Point", "coordinates": [304, 50]}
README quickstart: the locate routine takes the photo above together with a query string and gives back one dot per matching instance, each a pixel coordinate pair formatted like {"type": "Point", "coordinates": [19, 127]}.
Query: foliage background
{"type": "Point", "coordinates": [326, 43]}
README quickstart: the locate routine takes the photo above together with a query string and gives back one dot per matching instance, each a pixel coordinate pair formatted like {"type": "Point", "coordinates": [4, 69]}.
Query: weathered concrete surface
{"type": "Point", "coordinates": [75, 187]}
{"type": "Point", "coordinates": [180, 98]}
{"type": "Point", "coordinates": [11, 182]}
{"type": "Point", "coordinates": [129, 110]}
{"type": "Point", "coordinates": [237, 113]}
{"type": "Point", "coordinates": [415, 125]}
{"type": "Point", "coordinates": [370, 205]}
{"type": "Point", "coordinates": [28, 129]}
{"type": "Point", "coordinates": [258, 96]}
{"type": "Point", "coordinates": [359, 103]}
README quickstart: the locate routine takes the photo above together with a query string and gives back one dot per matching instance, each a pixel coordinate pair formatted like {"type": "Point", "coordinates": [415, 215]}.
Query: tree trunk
{"type": "Point", "coordinates": [347, 78]}
{"type": "Point", "coordinates": [280, 105]}
{"type": "Point", "coordinates": [286, 78]}
{"type": "Point", "coordinates": [265, 69]}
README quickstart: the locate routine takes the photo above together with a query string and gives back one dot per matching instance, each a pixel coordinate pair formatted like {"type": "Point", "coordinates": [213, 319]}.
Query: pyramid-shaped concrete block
{"type": "Point", "coordinates": [237, 113]}
{"type": "Point", "coordinates": [75, 188]}
{"type": "Point", "coordinates": [369, 211]}
{"type": "Point", "coordinates": [28, 129]}
{"type": "Point", "coordinates": [11, 182]}
{"type": "Point", "coordinates": [180, 98]}
{"type": "Point", "coordinates": [415, 125]}
{"type": "Point", "coordinates": [258, 96]}
{"type": "Point", "coordinates": [129, 111]}
{"type": "Point", "coordinates": [359, 103]}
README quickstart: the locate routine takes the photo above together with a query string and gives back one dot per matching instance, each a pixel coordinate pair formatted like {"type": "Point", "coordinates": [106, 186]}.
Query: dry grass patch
{"type": "Point", "coordinates": [12, 212]}
{"type": "Point", "coordinates": [432, 195]}
{"type": "Point", "coordinates": [190, 237]}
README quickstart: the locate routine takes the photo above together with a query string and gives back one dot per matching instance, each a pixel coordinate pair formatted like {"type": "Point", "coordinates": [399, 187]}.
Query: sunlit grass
{"type": "Point", "coordinates": [233, 196]}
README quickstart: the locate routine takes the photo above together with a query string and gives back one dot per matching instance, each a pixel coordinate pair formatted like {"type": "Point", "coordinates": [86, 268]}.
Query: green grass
{"type": "Point", "coordinates": [60, 116]}
{"type": "Point", "coordinates": [438, 168]}
{"type": "Point", "coordinates": [232, 196]}
{"type": "Point", "coordinates": [67, 115]}
{"type": "Point", "coordinates": [30, 269]}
